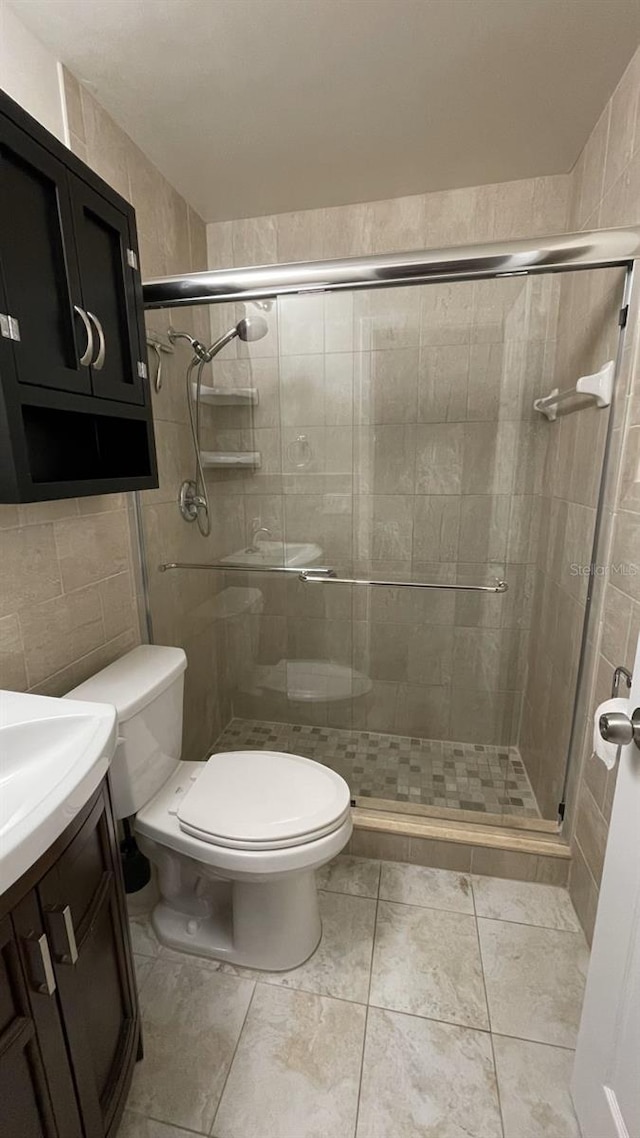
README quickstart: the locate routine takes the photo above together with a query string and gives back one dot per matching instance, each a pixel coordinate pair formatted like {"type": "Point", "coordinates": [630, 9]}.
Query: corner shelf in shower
{"type": "Point", "coordinates": [227, 396]}
{"type": "Point", "coordinates": [233, 458]}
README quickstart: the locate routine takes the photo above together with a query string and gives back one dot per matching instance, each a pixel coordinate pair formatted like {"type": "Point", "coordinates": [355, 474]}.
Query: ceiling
{"type": "Point", "coordinates": [262, 106]}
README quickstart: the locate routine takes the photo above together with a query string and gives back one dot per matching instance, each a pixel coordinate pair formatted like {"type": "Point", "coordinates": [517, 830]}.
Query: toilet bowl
{"type": "Point", "coordinates": [236, 839]}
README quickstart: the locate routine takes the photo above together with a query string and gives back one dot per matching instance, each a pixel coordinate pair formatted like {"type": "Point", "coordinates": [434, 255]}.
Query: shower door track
{"type": "Point", "coordinates": [598, 249]}
{"type": "Point", "coordinates": [329, 577]}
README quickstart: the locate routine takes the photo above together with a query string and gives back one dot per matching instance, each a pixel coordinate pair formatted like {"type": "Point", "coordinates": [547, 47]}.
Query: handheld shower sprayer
{"type": "Point", "coordinates": [193, 499]}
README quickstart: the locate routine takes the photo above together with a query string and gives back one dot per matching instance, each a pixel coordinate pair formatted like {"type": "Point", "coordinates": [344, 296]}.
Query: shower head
{"type": "Point", "coordinates": [252, 328]}
{"type": "Point", "coordinates": [248, 329]}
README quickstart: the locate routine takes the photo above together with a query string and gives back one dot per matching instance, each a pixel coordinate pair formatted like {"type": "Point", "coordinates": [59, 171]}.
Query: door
{"type": "Point", "coordinates": [52, 335]}
{"type": "Point", "coordinates": [96, 990]}
{"type": "Point", "coordinates": [102, 239]}
{"type": "Point", "coordinates": [605, 1086]}
{"type": "Point", "coordinates": [25, 1104]}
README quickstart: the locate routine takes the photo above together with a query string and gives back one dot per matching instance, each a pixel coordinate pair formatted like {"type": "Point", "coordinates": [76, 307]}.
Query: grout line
{"type": "Point", "coordinates": [524, 925]}
{"type": "Point", "coordinates": [172, 1125]}
{"type": "Point", "coordinates": [486, 997]}
{"type": "Point", "coordinates": [235, 1052]}
{"type": "Point", "coordinates": [538, 1042]}
{"type": "Point", "coordinates": [366, 1017]}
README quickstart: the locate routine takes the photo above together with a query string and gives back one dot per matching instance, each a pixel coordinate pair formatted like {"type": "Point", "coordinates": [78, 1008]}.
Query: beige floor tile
{"type": "Point", "coordinates": [423, 1079]}
{"type": "Point", "coordinates": [358, 876]}
{"type": "Point", "coordinates": [341, 964]}
{"type": "Point", "coordinates": [296, 1071]}
{"type": "Point", "coordinates": [143, 966]}
{"type": "Point", "coordinates": [534, 1089]}
{"type": "Point", "coordinates": [535, 980]}
{"type": "Point", "coordinates": [421, 885]}
{"type": "Point", "coordinates": [427, 962]}
{"type": "Point", "coordinates": [525, 903]}
{"type": "Point", "coordinates": [135, 1126]}
{"type": "Point", "coordinates": [192, 1020]}
{"type": "Point", "coordinates": [143, 939]}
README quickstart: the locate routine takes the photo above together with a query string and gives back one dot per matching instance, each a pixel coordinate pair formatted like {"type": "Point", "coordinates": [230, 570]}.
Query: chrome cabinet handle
{"type": "Point", "coordinates": [37, 949]}
{"type": "Point", "coordinates": [63, 937]}
{"type": "Point", "coordinates": [85, 359]}
{"type": "Point", "coordinates": [98, 363]}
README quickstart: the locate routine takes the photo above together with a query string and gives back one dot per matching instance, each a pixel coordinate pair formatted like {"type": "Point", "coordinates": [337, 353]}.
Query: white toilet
{"type": "Point", "coordinates": [236, 840]}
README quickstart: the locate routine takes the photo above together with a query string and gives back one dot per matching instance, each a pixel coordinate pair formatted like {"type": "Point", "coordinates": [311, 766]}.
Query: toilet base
{"type": "Point", "coordinates": [270, 926]}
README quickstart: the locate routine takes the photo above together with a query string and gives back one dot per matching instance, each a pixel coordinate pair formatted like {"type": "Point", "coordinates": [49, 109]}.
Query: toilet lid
{"type": "Point", "coordinates": [263, 800]}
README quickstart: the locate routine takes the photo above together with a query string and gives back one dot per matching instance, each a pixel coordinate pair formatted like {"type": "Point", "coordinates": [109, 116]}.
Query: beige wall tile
{"type": "Point", "coordinates": [118, 604]}
{"type": "Point", "coordinates": [385, 847]}
{"type": "Point", "coordinates": [583, 891]}
{"type": "Point", "coordinates": [504, 863]}
{"type": "Point", "coordinates": [29, 570]}
{"type": "Point", "coordinates": [97, 548]}
{"type": "Point", "coordinates": [73, 98]}
{"type": "Point", "coordinates": [591, 832]}
{"type": "Point", "coordinates": [440, 855]}
{"type": "Point", "coordinates": [67, 627]}
{"type": "Point", "coordinates": [300, 235]}
{"type": "Point", "coordinates": [13, 675]}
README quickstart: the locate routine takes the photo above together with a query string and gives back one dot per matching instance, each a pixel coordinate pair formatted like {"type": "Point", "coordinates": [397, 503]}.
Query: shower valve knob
{"type": "Point", "coordinates": [616, 727]}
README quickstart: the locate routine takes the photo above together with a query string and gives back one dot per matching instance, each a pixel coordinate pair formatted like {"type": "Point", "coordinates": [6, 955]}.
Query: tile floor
{"type": "Point", "coordinates": [438, 1005]}
{"type": "Point", "coordinates": [430, 772]}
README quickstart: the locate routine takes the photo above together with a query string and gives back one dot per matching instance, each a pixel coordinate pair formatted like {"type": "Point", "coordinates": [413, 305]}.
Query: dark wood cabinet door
{"type": "Point", "coordinates": [25, 1104]}
{"type": "Point", "coordinates": [39, 265]}
{"type": "Point", "coordinates": [102, 240]}
{"type": "Point", "coordinates": [37, 969]}
{"type": "Point", "coordinates": [96, 990]}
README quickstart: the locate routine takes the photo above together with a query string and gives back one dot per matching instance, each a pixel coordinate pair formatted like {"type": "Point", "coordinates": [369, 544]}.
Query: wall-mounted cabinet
{"type": "Point", "coordinates": [75, 405]}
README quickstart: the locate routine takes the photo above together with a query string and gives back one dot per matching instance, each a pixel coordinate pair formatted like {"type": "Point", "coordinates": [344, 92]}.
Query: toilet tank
{"type": "Point", "coordinates": [146, 688]}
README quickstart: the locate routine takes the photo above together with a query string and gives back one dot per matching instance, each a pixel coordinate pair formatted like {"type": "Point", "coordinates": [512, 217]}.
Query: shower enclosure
{"type": "Point", "coordinates": [405, 490]}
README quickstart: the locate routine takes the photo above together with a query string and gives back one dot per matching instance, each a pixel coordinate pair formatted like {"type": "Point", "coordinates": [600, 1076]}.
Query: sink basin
{"type": "Point", "coordinates": [53, 755]}
{"type": "Point", "coordinates": [292, 554]}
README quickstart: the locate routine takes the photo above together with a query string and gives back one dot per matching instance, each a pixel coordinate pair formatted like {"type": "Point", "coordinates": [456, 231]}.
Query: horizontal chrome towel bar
{"type": "Point", "coordinates": [328, 576]}
{"type": "Point", "coordinates": [236, 567]}
{"type": "Point", "coordinates": [305, 575]}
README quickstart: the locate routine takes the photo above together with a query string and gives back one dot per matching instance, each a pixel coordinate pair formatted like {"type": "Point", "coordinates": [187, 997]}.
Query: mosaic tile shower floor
{"type": "Point", "coordinates": [428, 772]}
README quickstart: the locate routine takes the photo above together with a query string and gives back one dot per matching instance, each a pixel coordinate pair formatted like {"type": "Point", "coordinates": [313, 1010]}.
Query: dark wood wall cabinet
{"type": "Point", "coordinates": [75, 406]}
{"type": "Point", "coordinates": [69, 1020]}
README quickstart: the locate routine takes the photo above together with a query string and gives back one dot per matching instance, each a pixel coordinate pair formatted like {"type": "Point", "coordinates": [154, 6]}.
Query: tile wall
{"type": "Point", "coordinates": [605, 192]}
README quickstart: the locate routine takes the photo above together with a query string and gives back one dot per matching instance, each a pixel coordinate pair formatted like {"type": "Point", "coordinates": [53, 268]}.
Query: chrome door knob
{"type": "Point", "coordinates": [616, 727]}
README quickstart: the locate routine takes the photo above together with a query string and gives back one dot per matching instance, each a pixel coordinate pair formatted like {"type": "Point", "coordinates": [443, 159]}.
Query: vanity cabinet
{"type": "Point", "coordinates": [75, 407]}
{"type": "Point", "coordinates": [69, 1020]}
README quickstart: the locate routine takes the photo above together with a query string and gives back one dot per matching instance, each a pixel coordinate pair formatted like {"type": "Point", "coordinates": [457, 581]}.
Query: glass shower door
{"type": "Point", "coordinates": [403, 447]}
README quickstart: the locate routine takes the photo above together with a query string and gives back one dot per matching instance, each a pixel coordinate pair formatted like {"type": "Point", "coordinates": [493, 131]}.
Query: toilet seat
{"type": "Point", "coordinates": [158, 824]}
{"type": "Point", "coordinates": [263, 800]}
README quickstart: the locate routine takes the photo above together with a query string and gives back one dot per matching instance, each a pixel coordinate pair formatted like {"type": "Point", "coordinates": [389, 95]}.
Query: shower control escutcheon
{"type": "Point", "coordinates": [616, 727]}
